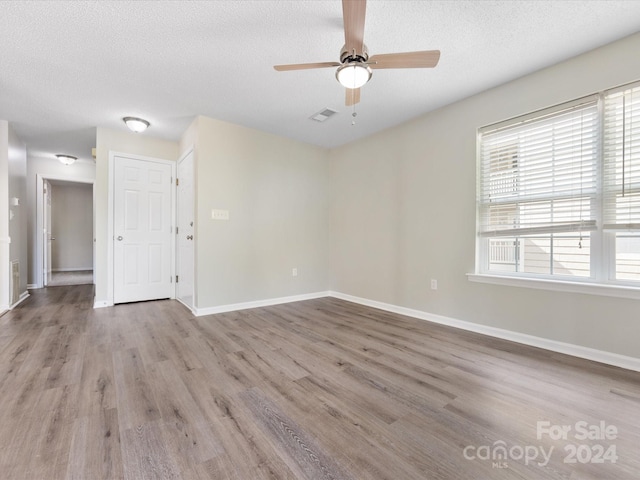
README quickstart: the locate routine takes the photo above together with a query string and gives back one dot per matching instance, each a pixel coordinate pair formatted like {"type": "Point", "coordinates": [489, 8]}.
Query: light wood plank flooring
{"type": "Point", "coordinates": [322, 389]}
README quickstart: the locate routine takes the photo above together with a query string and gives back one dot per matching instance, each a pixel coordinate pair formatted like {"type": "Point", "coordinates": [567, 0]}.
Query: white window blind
{"type": "Point", "coordinates": [559, 192]}
{"type": "Point", "coordinates": [539, 174]}
{"type": "Point", "coordinates": [621, 179]}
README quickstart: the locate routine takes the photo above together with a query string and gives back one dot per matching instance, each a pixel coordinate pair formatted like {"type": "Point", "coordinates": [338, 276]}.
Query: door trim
{"type": "Point", "coordinates": [110, 217]}
{"type": "Point", "coordinates": [40, 178]}
{"type": "Point", "coordinates": [190, 151]}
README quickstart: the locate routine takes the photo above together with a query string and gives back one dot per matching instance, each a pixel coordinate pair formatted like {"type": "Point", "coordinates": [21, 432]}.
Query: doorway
{"type": "Point", "coordinates": [65, 246]}
{"type": "Point", "coordinates": [70, 244]}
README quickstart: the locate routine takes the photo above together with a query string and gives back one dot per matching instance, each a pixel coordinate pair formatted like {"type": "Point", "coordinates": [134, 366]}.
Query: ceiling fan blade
{"type": "Point", "coordinates": [423, 59]}
{"type": "Point", "coordinates": [353, 12]}
{"type": "Point", "coordinates": [305, 66]}
{"type": "Point", "coordinates": [352, 97]}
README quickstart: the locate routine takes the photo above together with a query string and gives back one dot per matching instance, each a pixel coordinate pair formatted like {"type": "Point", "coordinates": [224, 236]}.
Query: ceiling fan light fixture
{"type": "Point", "coordinates": [66, 159]}
{"type": "Point", "coordinates": [136, 124]}
{"type": "Point", "coordinates": [353, 74]}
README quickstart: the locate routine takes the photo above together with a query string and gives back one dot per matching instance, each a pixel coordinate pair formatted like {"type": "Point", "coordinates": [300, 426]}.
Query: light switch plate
{"type": "Point", "coordinates": [219, 214]}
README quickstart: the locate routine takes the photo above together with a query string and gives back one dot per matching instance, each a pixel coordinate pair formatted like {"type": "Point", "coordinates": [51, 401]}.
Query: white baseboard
{"type": "Point", "coordinates": [23, 296]}
{"type": "Point", "coordinates": [609, 358]}
{"type": "Point", "coordinates": [32, 286]}
{"type": "Point", "coordinates": [102, 304]}
{"type": "Point", "coordinates": [198, 312]}
{"type": "Point", "coordinates": [189, 307]}
{"type": "Point", "coordinates": [74, 269]}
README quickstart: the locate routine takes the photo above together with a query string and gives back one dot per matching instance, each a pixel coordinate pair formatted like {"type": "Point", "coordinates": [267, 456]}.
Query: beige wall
{"type": "Point", "coordinates": [108, 140]}
{"type": "Point", "coordinates": [276, 192]}
{"type": "Point", "coordinates": [403, 212]}
{"type": "Point", "coordinates": [72, 226]}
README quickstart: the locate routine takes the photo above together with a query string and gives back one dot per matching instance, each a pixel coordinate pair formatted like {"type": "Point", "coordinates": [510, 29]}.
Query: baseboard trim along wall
{"type": "Point", "coordinates": [198, 312]}
{"type": "Point", "coordinates": [32, 286]}
{"type": "Point", "coordinates": [22, 298]}
{"type": "Point", "coordinates": [102, 304]}
{"type": "Point", "coordinates": [73, 269]}
{"type": "Point", "coordinates": [609, 358]}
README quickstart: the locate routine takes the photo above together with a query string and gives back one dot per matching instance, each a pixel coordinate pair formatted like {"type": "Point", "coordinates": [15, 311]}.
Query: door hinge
{"type": "Point", "coordinates": [176, 230]}
{"type": "Point", "coordinates": [176, 278]}
{"type": "Point", "coordinates": [177, 181]}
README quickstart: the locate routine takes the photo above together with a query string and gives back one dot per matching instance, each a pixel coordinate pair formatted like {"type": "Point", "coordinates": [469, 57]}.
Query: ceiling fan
{"type": "Point", "coordinates": [355, 65]}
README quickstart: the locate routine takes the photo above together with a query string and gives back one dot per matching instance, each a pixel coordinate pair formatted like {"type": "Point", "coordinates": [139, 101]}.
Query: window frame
{"type": "Point", "coordinates": [603, 256]}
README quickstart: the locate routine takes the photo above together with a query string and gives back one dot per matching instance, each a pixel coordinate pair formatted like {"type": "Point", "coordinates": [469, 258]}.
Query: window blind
{"type": "Point", "coordinates": [621, 177]}
{"type": "Point", "coordinates": [539, 175]}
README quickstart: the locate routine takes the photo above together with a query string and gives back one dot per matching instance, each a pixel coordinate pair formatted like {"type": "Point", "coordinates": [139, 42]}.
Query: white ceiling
{"type": "Point", "coordinates": [67, 67]}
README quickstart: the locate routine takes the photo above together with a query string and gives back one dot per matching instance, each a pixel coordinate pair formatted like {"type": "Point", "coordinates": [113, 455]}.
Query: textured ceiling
{"type": "Point", "coordinates": [67, 67]}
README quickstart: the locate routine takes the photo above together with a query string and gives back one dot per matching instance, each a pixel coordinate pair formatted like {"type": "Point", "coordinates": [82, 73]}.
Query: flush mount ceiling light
{"type": "Point", "coordinates": [66, 159]}
{"type": "Point", "coordinates": [135, 124]}
{"type": "Point", "coordinates": [353, 74]}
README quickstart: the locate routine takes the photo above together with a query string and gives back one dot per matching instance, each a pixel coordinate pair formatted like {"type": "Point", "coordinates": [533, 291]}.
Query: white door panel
{"type": "Point", "coordinates": [142, 230]}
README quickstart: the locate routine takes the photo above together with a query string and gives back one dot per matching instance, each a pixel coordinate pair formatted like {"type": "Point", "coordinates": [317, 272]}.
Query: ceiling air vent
{"type": "Point", "coordinates": [322, 115]}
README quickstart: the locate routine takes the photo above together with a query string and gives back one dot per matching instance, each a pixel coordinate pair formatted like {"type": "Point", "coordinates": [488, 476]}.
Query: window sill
{"type": "Point", "coordinates": [620, 291]}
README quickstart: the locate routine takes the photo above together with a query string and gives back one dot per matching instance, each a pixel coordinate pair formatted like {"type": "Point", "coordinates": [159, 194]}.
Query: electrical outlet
{"type": "Point", "coordinates": [219, 214]}
{"type": "Point", "coordinates": [294, 272]}
{"type": "Point", "coordinates": [434, 284]}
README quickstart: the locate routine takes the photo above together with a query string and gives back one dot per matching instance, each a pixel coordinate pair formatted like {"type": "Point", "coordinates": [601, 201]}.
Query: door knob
{"type": "Point", "coordinates": [189, 237]}
{"type": "Point", "coordinates": [119, 238]}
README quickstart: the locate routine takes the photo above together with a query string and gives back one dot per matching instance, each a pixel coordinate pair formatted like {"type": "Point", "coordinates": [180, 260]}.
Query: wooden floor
{"type": "Point", "coordinates": [322, 389]}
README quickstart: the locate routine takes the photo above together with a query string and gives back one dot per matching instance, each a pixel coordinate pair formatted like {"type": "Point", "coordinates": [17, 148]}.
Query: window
{"type": "Point", "coordinates": [621, 180]}
{"type": "Point", "coordinates": [559, 192]}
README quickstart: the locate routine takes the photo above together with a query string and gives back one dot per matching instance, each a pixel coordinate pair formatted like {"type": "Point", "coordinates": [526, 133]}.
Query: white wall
{"type": "Point", "coordinates": [13, 218]}
{"type": "Point", "coordinates": [72, 226]}
{"type": "Point", "coordinates": [403, 212]}
{"type": "Point", "coordinates": [4, 215]}
{"type": "Point", "coordinates": [108, 140]}
{"type": "Point", "coordinates": [276, 192]}
{"type": "Point", "coordinates": [18, 213]}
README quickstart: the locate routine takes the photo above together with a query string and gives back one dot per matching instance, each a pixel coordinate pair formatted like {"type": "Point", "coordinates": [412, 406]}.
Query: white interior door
{"type": "Point", "coordinates": [142, 230]}
{"type": "Point", "coordinates": [47, 233]}
{"type": "Point", "coordinates": [185, 242]}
